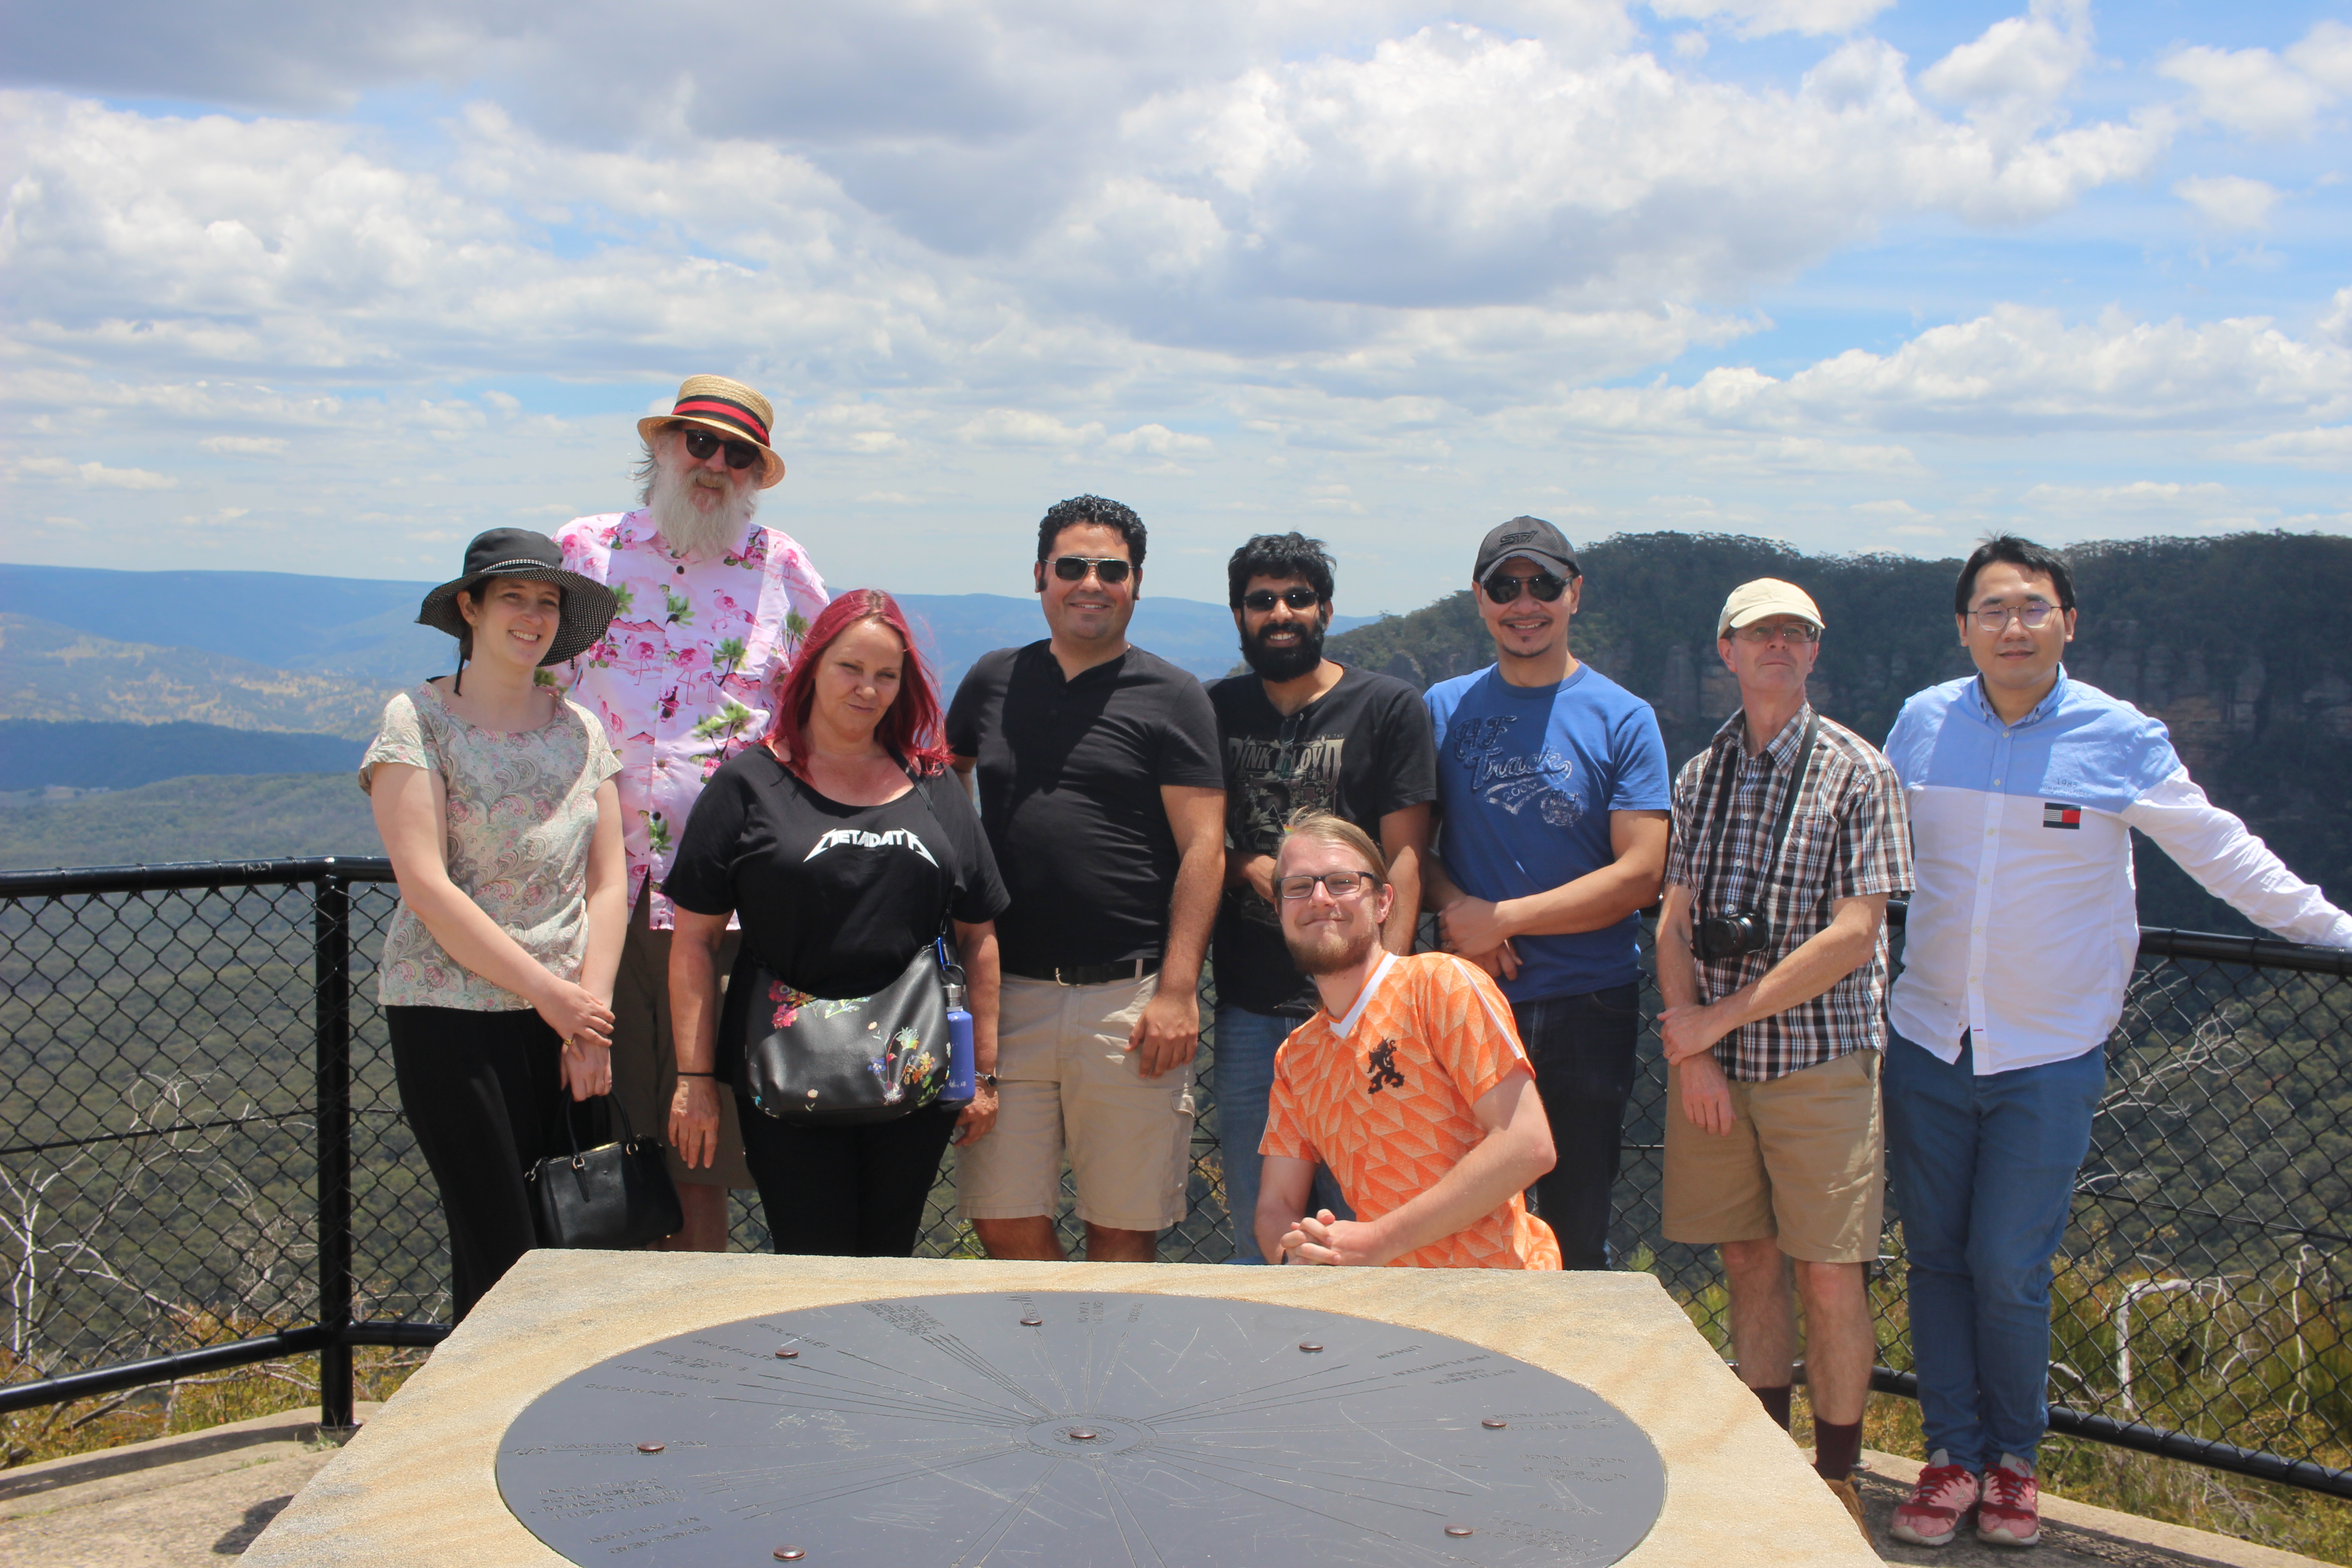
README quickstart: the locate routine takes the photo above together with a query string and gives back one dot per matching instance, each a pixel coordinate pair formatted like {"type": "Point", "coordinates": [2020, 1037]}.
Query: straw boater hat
{"type": "Point", "coordinates": [727, 407]}
{"type": "Point", "coordinates": [588, 604]}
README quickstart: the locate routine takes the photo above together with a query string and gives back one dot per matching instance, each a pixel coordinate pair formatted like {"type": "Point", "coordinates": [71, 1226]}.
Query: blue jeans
{"type": "Point", "coordinates": [1983, 1173]}
{"type": "Point", "coordinates": [1245, 1045]}
{"type": "Point", "coordinates": [1583, 1051]}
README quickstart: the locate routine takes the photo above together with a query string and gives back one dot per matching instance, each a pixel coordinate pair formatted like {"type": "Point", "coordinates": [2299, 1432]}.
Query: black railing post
{"type": "Point", "coordinates": [333, 973]}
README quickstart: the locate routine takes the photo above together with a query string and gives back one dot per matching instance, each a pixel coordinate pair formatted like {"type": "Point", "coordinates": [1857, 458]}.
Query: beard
{"type": "Point", "coordinates": [1328, 949]}
{"type": "Point", "coordinates": [688, 528]}
{"type": "Point", "coordinates": [1281, 664]}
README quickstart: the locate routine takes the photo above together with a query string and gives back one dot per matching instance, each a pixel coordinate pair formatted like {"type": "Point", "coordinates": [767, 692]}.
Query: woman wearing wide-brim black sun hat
{"type": "Point", "coordinates": [588, 606]}
{"type": "Point", "coordinates": [495, 800]}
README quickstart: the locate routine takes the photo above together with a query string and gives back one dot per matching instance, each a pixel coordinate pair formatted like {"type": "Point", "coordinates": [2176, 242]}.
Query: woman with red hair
{"type": "Point", "coordinates": [842, 841]}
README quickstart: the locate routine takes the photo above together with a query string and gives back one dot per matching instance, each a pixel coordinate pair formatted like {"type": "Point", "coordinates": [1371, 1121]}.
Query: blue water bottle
{"type": "Point", "coordinates": [960, 1085]}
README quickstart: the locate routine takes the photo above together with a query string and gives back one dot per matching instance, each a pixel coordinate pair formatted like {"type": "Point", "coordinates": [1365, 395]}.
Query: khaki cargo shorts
{"type": "Point", "coordinates": [1804, 1164]}
{"type": "Point", "coordinates": [1067, 1081]}
{"type": "Point", "coordinates": [644, 1059]}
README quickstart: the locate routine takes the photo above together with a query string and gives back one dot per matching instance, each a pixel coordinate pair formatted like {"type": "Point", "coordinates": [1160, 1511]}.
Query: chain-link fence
{"type": "Point", "coordinates": [201, 1154]}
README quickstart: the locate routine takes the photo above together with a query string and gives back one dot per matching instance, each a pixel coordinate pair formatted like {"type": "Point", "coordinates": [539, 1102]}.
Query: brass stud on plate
{"type": "Point", "coordinates": [790, 1553]}
{"type": "Point", "coordinates": [651, 1448]}
{"type": "Point", "coordinates": [1494, 1424]}
{"type": "Point", "coordinates": [1459, 1530]}
{"type": "Point", "coordinates": [1310, 1346]}
{"type": "Point", "coordinates": [788, 1355]}
{"type": "Point", "coordinates": [1084, 1435]}
{"type": "Point", "coordinates": [1031, 1322]}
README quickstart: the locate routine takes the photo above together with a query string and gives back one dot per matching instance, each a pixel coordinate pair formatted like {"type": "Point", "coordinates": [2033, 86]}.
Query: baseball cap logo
{"type": "Point", "coordinates": [1519, 538]}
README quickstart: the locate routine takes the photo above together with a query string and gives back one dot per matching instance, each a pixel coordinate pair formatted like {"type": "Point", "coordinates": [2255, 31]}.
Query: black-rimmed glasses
{"type": "Point", "coordinates": [1338, 884]}
{"type": "Point", "coordinates": [701, 443]}
{"type": "Point", "coordinates": [1264, 599]}
{"type": "Point", "coordinates": [1074, 568]}
{"type": "Point", "coordinates": [2035, 613]}
{"type": "Point", "coordinates": [1503, 588]}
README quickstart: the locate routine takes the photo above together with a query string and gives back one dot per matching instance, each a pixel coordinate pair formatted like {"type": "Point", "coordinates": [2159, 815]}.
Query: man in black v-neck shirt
{"type": "Point", "coordinates": [1300, 732]}
{"type": "Point", "coordinates": [1103, 797]}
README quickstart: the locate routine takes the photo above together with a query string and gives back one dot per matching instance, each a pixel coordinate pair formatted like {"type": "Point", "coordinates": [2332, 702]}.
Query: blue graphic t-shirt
{"type": "Point", "coordinates": [1527, 777]}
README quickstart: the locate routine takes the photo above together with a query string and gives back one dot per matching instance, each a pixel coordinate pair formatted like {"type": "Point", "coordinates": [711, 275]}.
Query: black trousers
{"type": "Point", "coordinates": [1582, 1049]}
{"type": "Point", "coordinates": [844, 1192]}
{"type": "Point", "coordinates": [484, 1095]}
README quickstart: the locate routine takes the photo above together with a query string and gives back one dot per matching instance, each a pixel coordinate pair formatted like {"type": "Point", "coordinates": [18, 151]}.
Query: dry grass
{"type": "Point", "coordinates": [166, 1409]}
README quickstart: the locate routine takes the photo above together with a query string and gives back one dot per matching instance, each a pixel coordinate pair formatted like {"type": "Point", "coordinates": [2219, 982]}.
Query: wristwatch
{"type": "Point", "coordinates": [985, 1079]}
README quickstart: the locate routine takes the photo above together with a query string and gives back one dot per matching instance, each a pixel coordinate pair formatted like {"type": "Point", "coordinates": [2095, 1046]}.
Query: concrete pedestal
{"type": "Point", "coordinates": [418, 1484]}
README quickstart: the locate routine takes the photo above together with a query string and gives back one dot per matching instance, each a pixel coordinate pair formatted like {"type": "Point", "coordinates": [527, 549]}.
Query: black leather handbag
{"type": "Point", "coordinates": [616, 1196]}
{"type": "Point", "coordinates": [839, 1062]}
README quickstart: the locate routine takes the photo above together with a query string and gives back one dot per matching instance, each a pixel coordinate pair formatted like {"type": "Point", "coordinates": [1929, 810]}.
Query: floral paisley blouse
{"type": "Point", "coordinates": [522, 813]}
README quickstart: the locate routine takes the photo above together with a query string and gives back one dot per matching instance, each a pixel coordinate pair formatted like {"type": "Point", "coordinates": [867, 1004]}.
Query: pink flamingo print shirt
{"type": "Point", "coordinates": [683, 677]}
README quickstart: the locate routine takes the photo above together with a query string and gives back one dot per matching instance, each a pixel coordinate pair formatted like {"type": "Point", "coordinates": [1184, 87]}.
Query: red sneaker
{"type": "Point", "coordinates": [2011, 1514]}
{"type": "Point", "coordinates": [1939, 1501]}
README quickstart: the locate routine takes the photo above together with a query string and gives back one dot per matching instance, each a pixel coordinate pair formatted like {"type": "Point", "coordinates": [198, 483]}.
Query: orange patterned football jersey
{"type": "Point", "coordinates": [1384, 1096]}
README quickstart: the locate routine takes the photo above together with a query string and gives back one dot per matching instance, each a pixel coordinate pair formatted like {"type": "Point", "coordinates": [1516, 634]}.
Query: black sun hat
{"type": "Point", "coordinates": [588, 604]}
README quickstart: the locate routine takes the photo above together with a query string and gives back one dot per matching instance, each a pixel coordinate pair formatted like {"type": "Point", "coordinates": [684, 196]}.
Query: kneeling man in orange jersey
{"type": "Point", "coordinates": [1409, 1083]}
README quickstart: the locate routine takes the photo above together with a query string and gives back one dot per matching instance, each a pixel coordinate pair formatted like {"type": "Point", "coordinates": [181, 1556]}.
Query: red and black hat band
{"type": "Point", "coordinates": [724, 410]}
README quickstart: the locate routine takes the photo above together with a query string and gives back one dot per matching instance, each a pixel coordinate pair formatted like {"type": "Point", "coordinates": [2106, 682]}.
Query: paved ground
{"type": "Point", "coordinates": [180, 1502]}
{"type": "Point", "coordinates": [2072, 1533]}
{"type": "Point", "coordinates": [177, 1501]}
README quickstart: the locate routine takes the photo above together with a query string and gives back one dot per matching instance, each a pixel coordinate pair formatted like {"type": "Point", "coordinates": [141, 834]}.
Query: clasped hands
{"type": "Point", "coordinates": [1475, 929]}
{"type": "Point", "coordinates": [584, 1020]}
{"type": "Point", "coordinates": [1323, 1238]}
{"type": "Point", "coordinates": [1689, 1035]}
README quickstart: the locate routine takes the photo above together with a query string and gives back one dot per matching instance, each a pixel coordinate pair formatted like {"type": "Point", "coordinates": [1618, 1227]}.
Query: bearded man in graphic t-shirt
{"type": "Point", "coordinates": [1409, 1083]}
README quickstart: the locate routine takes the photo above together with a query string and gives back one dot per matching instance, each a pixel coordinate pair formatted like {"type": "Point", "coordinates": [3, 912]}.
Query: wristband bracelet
{"type": "Point", "coordinates": [682, 1073]}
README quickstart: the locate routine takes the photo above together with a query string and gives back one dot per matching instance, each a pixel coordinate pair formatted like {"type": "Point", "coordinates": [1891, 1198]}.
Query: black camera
{"type": "Point", "coordinates": [1735, 935]}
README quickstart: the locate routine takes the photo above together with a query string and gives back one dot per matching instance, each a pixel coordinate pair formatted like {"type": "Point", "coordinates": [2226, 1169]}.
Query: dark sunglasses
{"type": "Point", "coordinates": [1502, 587]}
{"type": "Point", "coordinates": [701, 443]}
{"type": "Point", "coordinates": [1264, 599]}
{"type": "Point", "coordinates": [1074, 568]}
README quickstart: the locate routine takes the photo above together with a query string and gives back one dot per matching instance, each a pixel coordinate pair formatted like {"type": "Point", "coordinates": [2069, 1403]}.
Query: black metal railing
{"type": "Point", "coordinates": [203, 1164]}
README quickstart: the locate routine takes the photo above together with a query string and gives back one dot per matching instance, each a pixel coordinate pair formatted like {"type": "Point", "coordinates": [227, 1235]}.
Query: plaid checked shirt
{"type": "Point", "coordinates": [1850, 836]}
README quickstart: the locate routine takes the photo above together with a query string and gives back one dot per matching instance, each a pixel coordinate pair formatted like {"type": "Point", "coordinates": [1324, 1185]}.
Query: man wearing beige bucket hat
{"type": "Point", "coordinates": [713, 605]}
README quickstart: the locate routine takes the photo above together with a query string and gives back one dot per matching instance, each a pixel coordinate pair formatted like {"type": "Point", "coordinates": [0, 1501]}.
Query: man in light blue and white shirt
{"type": "Point", "coordinates": [2023, 788]}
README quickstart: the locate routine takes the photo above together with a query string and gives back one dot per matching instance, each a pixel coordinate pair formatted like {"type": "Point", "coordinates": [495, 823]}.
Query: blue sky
{"type": "Point", "coordinates": [330, 292]}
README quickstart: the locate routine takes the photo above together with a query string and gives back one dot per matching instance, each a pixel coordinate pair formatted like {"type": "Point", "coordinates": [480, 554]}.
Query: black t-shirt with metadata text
{"type": "Point", "coordinates": [834, 898]}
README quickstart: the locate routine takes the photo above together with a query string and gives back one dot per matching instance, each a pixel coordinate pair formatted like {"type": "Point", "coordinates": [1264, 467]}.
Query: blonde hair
{"type": "Point", "coordinates": [1311, 823]}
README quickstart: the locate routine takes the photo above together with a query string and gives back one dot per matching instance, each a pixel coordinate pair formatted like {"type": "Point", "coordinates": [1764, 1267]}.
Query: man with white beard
{"type": "Point", "coordinates": [712, 607]}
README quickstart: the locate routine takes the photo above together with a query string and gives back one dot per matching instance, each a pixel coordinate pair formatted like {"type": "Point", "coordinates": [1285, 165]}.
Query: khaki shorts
{"type": "Point", "coordinates": [1066, 1079]}
{"type": "Point", "coordinates": [644, 1062]}
{"type": "Point", "coordinates": [1804, 1163]}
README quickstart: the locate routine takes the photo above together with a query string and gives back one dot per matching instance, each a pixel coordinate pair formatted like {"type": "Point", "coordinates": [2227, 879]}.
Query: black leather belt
{"type": "Point", "coordinates": [1091, 973]}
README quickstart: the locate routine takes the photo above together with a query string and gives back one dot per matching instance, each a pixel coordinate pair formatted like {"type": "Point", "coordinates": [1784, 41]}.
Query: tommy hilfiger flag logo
{"type": "Point", "coordinates": [2056, 815]}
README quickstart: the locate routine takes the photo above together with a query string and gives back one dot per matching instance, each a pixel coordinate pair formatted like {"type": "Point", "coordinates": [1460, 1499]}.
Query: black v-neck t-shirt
{"type": "Point", "coordinates": [834, 898]}
{"type": "Point", "coordinates": [1070, 773]}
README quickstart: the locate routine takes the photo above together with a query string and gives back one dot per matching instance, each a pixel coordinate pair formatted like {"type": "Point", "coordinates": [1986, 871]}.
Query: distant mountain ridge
{"type": "Point", "coordinates": [2234, 642]}
{"type": "Point", "coordinates": [36, 753]}
{"type": "Point", "coordinates": [363, 629]}
{"type": "Point", "coordinates": [55, 672]}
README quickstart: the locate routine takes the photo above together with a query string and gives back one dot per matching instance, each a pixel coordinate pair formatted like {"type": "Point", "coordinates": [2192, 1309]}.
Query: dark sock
{"type": "Point", "coordinates": [1837, 1448]}
{"type": "Point", "coordinates": [1775, 1401]}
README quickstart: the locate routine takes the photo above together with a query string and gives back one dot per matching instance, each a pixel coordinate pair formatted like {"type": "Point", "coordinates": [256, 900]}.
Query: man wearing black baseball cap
{"type": "Point", "coordinates": [1552, 802]}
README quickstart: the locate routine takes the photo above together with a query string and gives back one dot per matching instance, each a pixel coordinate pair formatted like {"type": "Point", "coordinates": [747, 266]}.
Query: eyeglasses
{"type": "Point", "coordinates": [1338, 884]}
{"type": "Point", "coordinates": [701, 443]}
{"type": "Point", "coordinates": [1264, 599]}
{"type": "Point", "coordinates": [2033, 613]}
{"type": "Point", "coordinates": [1074, 568]}
{"type": "Point", "coordinates": [1794, 631]}
{"type": "Point", "coordinates": [1503, 588]}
